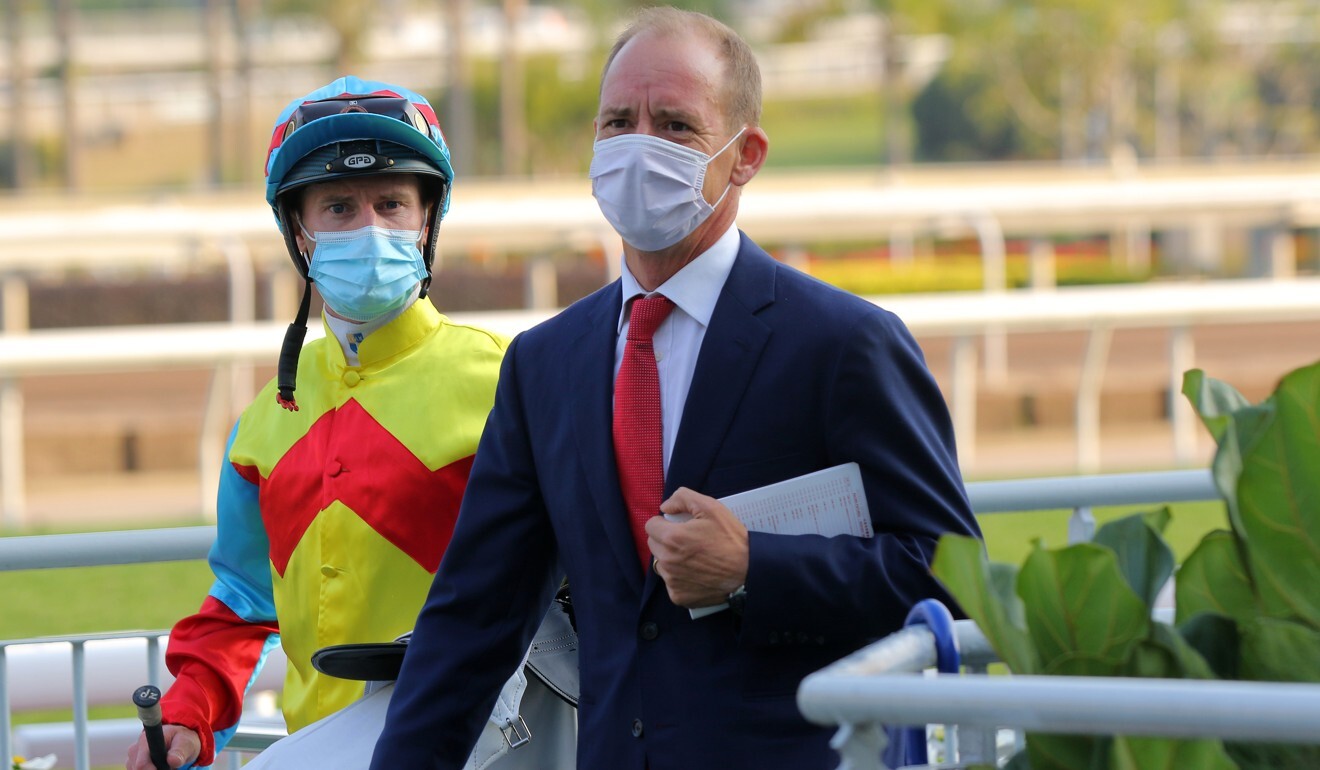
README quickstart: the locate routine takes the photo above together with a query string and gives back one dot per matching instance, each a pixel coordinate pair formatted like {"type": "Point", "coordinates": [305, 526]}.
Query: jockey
{"type": "Point", "coordinates": [335, 506]}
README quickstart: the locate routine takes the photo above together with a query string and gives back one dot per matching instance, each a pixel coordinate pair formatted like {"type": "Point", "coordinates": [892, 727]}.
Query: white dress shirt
{"type": "Point", "coordinates": [694, 291]}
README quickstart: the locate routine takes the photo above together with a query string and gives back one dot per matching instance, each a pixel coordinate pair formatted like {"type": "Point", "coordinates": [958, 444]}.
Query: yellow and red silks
{"type": "Point", "coordinates": [334, 518]}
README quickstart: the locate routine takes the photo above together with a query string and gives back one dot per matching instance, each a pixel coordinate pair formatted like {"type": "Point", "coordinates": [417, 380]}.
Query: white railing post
{"type": "Point", "coordinates": [6, 751]}
{"type": "Point", "coordinates": [963, 396]}
{"type": "Point", "coordinates": [13, 497]}
{"type": "Point", "coordinates": [211, 439]}
{"type": "Point", "coordinates": [153, 660]}
{"type": "Point", "coordinates": [976, 745]}
{"type": "Point", "coordinates": [1081, 525]}
{"type": "Point", "coordinates": [242, 310]}
{"type": "Point", "coordinates": [1089, 386]}
{"type": "Point", "coordinates": [994, 281]}
{"type": "Point", "coordinates": [1182, 356]}
{"type": "Point", "coordinates": [859, 746]}
{"type": "Point", "coordinates": [540, 287]}
{"type": "Point", "coordinates": [81, 752]}
{"type": "Point", "coordinates": [16, 320]}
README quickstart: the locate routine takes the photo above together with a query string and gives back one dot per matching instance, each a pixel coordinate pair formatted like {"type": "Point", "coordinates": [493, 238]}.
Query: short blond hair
{"type": "Point", "coordinates": [742, 74]}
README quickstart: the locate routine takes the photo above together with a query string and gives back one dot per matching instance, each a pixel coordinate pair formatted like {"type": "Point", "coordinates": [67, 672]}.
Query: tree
{"type": "Point", "coordinates": [1076, 75]}
{"type": "Point", "coordinates": [351, 20]}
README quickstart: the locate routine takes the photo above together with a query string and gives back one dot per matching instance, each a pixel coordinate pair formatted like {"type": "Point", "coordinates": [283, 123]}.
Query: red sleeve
{"type": "Point", "coordinates": [212, 655]}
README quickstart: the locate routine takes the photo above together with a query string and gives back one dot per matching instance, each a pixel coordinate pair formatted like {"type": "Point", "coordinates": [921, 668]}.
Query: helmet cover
{"type": "Point", "coordinates": [336, 126]}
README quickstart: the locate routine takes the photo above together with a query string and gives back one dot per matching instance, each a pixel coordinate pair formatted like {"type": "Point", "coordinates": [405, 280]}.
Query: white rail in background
{"type": "Point", "coordinates": [963, 316]}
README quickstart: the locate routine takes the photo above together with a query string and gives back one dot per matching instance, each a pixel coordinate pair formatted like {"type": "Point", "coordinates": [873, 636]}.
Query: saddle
{"type": "Point", "coordinates": [540, 710]}
{"type": "Point", "coordinates": [552, 657]}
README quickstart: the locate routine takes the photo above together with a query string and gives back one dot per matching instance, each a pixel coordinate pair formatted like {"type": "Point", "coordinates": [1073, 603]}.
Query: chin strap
{"type": "Point", "coordinates": [287, 371]}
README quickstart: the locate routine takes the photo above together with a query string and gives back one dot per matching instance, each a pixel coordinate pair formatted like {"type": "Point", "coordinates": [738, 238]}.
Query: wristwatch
{"type": "Point", "coordinates": [737, 599]}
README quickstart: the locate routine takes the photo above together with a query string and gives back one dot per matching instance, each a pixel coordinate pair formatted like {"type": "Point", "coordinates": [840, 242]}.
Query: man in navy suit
{"type": "Point", "coordinates": [764, 374]}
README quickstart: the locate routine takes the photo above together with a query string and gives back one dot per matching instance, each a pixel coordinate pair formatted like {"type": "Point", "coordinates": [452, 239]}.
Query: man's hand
{"type": "Point", "coordinates": [702, 559]}
{"type": "Point", "coordinates": [181, 745]}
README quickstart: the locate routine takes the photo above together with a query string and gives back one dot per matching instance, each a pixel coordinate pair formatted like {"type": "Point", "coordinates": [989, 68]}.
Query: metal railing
{"type": "Point", "coordinates": [1078, 494]}
{"type": "Point", "coordinates": [882, 684]}
{"type": "Point", "coordinates": [79, 671]}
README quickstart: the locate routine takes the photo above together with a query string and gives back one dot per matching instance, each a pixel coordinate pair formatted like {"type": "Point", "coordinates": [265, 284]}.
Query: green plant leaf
{"type": "Point", "coordinates": [1003, 586]}
{"type": "Point", "coordinates": [1213, 400]}
{"type": "Point", "coordinates": [1273, 756]}
{"type": "Point", "coordinates": [1158, 519]}
{"type": "Point", "coordinates": [1077, 602]}
{"type": "Point", "coordinates": [1215, 637]}
{"type": "Point", "coordinates": [1278, 497]}
{"type": "Point", "coordinates": [1144, 559]}
{"type": "Point", "coordinates": [1165, 654]}
{"type": "Point", "coordinates": [985, 592]}
{"type": "Point", "coordinates": [1142, 753]}
{"type": "Point", "coordinates": [1235, 425]}
{"type": "Point", "coordinates": [1084, 664]}
{"type": "Point", "coordinates": [1048, 751]}
{"type": "Point", "coordinates": [1279, 651]}
{"type": "Point", "coordinates": [1213, 579]}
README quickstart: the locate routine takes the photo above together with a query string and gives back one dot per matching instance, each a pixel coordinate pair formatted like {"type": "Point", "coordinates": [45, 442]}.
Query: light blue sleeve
{"type": "Point", "coordinates": [240, 555]}
{"type": "Point", "coordinates": [240, 560]}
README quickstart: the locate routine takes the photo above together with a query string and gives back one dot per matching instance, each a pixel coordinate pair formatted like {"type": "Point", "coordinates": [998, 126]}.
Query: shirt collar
{"type": "Point", "coordinates": [696, 287]}
{"type": "Point", "coordinates": [404, 330]}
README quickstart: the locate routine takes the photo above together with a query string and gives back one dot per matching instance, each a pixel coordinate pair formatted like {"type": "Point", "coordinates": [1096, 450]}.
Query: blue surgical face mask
{"type": "Point", "coordinates": [364, 274]}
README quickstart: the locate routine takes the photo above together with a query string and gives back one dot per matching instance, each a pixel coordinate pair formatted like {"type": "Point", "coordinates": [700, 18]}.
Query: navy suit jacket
{"type": "Point", "coordinates": [793, 376]}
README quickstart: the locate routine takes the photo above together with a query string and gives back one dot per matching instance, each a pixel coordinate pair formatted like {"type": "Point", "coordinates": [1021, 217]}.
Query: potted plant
{"type": "Point", "coordinates": [1247, 599]}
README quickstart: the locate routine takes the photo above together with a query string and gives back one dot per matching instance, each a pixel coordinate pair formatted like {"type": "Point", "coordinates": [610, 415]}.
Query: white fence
{"type": "Point", "coordinates": [35, 675]}
{"type": "Point", "coordinates": [966, 317]}
{"type": "Point", "coordinates": [547, 216]}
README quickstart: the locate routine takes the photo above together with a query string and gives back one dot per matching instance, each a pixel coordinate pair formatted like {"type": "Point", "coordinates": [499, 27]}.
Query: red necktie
{"type": "Point", "coordinates": [638, 439]}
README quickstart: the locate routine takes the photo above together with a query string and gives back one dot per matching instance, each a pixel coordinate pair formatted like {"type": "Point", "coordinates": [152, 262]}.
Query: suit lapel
{"type": "Point", "coordinates": [729, 353]}
{"type": "Point", "coordinates": [591, 367]}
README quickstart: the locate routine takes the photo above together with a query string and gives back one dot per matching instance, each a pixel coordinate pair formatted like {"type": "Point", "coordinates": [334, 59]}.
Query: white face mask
{"type": "Point", "coordinates": [649, 189]}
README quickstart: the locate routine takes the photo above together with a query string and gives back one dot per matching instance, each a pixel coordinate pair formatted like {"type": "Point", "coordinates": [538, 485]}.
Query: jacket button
{"type": "Point", "coordinates": [637, 728]}
{"type": "Point", "coordinates": [650, 630]}
{"type": "Point", "coordinates": [328, 571]}
{"type": "Point", "coordinates": [352, 378]}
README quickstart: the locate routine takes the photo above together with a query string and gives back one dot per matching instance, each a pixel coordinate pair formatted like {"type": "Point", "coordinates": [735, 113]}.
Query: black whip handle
{"type": "Point", "coordinates": [147, 700]}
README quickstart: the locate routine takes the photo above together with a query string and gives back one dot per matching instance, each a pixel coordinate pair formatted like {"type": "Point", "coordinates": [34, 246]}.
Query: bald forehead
{"type": "Point", "coordinates": [692, 42]}
{"type": "Point", "coordinates": [671, 68]}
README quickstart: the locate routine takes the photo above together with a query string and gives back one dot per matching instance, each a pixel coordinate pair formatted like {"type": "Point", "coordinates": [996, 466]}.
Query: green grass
{"type": "Point", "coordinates": [90, 599]}
{"type": "Point", "coordinates": [831, 131]}
{"type": "Point", "coordinates": [1009, 536]}
{"type": "Point", "coordinates": [83, 600]}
